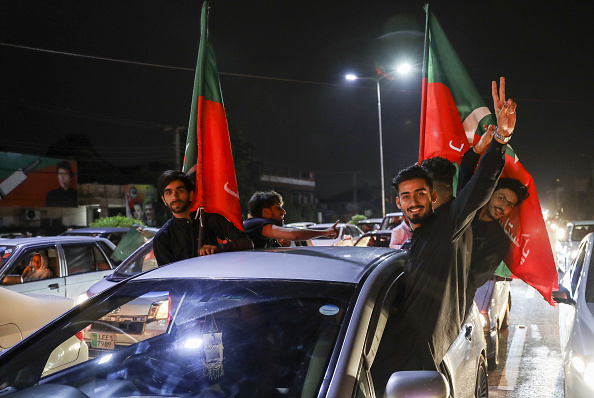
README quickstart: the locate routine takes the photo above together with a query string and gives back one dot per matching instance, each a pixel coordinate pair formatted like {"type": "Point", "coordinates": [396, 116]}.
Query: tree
{"type": "Point", "coordinates": [116, 221]}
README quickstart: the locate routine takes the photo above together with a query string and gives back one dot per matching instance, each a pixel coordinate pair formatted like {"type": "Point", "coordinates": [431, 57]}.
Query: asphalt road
{"type": "Point", "coordinates": [533, 366]}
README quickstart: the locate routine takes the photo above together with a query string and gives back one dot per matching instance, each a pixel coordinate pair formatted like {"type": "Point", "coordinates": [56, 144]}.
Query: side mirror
{"type": "Point", "coordinates": [562, 296]}
{"type": "Point", "coordinates": [417, 383]}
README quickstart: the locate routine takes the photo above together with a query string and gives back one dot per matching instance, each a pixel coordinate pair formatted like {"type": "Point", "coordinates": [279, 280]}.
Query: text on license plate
{"type": "Point", "coordinates": [105, 341]}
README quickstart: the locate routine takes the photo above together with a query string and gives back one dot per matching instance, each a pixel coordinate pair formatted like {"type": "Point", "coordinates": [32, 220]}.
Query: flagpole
{"type": "Point", "coordinates": [424, 86]}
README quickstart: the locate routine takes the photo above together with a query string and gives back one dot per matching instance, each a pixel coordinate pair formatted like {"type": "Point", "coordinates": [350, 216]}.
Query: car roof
{"type": "Point", "coordinates": [329, 224]}
{"type": "Point", "coordinates": [52, 239]}
{"type": "Point", "coordinates": [331, 264]}
{"type": "Point", "coordinates": [370, 220]}
{"type": "Point", "coordinates": [378, 232]}
{"type": "Point", "coordinates": [398, 213]}
{"type": "Point", "coordinates": [97, 230]}
{"type": "Point", "coordinates": [588, 222]}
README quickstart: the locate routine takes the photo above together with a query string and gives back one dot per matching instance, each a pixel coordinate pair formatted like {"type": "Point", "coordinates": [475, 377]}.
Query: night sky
{"type": "Point", "coordinates": [282, 66]}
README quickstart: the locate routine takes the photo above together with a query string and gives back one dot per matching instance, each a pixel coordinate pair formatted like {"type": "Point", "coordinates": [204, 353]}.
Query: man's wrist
{"type": "Point", "coordinates": [503, 139]}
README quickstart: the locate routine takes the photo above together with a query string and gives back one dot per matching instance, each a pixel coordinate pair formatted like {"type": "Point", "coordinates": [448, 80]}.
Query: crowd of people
{"type": "Point", "coordinates": [451, 232]}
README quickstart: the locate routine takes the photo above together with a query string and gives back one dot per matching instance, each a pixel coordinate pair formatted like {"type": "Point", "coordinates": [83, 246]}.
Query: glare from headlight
{"type": "Point", "coordinates": [560, 234]}
{"type": "Point", "coordinates": [193, 343]}
{"type": "Point", "coordinates": [82, 298]}
{"type": "Point", "coordinates": [589, 374]}
{"type": "Point", "coordinates": [484, 320]}
{"type": "Point", "coordinates": [105, 358]}
{"type": "Point", "coordinates": [573, 254]}
{"type": "Point", "coordinates": [577, 362]}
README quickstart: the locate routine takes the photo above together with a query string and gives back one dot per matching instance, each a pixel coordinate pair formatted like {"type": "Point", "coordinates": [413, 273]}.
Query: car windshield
{"type": "Point", "coordinates": [141, 260]}
{"type": "Point", "coordinates": [131, 241]}
{"type": "Point", "coordinates": [186, 337]}
{"type": "Point", "coordinates": [5, 253]}
{"type": "Point", "coordinates": [579, 231]}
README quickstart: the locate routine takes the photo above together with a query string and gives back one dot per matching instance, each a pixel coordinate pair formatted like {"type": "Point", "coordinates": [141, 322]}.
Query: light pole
{"type": "Point", "coordinates": [404, 68]}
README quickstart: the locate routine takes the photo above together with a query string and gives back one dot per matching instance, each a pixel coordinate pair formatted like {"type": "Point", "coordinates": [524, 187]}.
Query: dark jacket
{"type": "Point", "coordinates": [431, 311]}
{"type": "Point", "coordinates": [178, 238]}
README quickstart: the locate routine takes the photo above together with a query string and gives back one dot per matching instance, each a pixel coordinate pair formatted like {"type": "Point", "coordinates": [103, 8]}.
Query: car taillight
{"type": "Point", "coordinates": [159, 310]}
{"type": "Point", "coordinates": [80, 335]}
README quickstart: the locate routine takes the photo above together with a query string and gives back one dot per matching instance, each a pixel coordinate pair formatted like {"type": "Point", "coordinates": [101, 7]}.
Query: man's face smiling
{"type": "Point", "coordinates": [415, 200]}
{"type": "Point", "coordinates": [177, 198]}
{"type": "Point", "coordinates": [500, 205]}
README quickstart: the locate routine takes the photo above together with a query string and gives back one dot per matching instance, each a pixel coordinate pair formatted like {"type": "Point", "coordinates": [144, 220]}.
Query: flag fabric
{"type": "Point", "coordinates": [452, 116]}
{"type": "Point", "coordinates": [208, 157]}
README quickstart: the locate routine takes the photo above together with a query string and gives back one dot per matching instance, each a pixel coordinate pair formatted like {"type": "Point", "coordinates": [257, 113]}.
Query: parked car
{"type": "Point", "coordinates": [392, 220]}
{"type": "Point", "coordinates": [114, 234]}
{"type": "Point", "coordinates": [568, 240]}
{"type": "Point", "coordinates": [576, 322]}
{"type": "Point", "coordinates": [370, 224]}
{"type": "Point", "coordinates": [379, 238]}
{"type": "Point", "coordinates": [21, 315]}
{"type": "Point", "coordinates": [302, 322]}
{"type": "Point", "coordinates": [347, 235]}
{"type": "Point", "coordinates": [75, 262]}
{"type": "Point", "coordinates": [493, 300]}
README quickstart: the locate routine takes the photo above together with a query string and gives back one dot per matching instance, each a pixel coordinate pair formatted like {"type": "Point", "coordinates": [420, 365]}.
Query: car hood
{"type": "Point", "coordinates": [100, 286]}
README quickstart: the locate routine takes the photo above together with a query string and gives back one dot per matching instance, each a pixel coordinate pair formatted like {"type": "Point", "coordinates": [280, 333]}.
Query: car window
{"type": "Point", "coordinates": [579, 231]}
{"type": "Point", "coordinates": [81, 259]}
{"type": "Point", "coordinates": [576, 268]}
{"type": "Point", "coordinates": [185, 337]}
{"type": "Point", "coordinates": [590, 281]}
{"type": "Point", "coordinates": [34, 264]}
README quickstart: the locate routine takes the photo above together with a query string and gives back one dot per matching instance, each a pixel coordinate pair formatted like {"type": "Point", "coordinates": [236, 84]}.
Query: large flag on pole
{"type": "Point", "coordinates": [452, 116]}
{"type": "Point", "coordinates": [208, 154]}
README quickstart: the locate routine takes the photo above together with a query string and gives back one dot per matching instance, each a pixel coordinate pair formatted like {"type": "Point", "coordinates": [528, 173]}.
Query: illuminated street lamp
{"type": "Point", "coordinates": [402, 69]}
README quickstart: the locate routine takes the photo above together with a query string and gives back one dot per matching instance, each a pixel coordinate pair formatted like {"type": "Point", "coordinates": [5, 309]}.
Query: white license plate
{"type": "Point", "coordinates": [104, 341]}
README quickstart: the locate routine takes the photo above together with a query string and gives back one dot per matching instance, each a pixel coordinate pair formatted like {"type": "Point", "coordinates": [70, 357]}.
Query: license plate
{"type": "Point", "coordinates": [104, 341]}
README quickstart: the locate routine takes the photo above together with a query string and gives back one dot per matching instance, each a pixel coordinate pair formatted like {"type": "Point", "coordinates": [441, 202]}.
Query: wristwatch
{"type": "Point", "coordinates": [502, 138]}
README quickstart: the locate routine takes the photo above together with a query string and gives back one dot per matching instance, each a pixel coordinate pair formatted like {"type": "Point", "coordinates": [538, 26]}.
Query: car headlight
{"type": "Point", "coordinates": [82, 298]}
{"type": "Point", "coordinates": [158, 311]}
{"type": "Point", "coordinates": [583, 368]}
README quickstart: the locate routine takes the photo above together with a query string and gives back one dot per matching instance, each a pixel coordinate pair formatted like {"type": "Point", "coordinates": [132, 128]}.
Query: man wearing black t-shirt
{"type": "Point", "coordinates": [265, 228]}
{"type": "Point", "coordinates": [178, 238]}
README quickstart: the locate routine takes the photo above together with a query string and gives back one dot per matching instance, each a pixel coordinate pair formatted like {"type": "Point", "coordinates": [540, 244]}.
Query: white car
{"type": "Point", "coordinates": [21, 315]}
{"type": "Point", "coordinates": [75, 263]}
{"type": "Point", "coordinates": [568, 240]}
{"type": "Point", "coordinates": [348, 234]}
{"type": "Point", "coordinates": [576, 322]}
{"type": "Point", "coordinates": [301, 322]}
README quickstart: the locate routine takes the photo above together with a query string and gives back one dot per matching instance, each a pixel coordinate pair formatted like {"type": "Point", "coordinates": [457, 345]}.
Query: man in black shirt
{"type": "Point", "coordinates": [178, 238]}
{"type": "Point", "coordinates": [265, 228]}
{"type": "Point", "coordinates": [432, 308]}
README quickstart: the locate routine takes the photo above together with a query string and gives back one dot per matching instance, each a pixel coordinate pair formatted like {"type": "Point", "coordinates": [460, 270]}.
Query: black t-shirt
{"type": "Point", "coordinates": [253, 228]}
{"type": "Point", "coordinates": [178, 238]}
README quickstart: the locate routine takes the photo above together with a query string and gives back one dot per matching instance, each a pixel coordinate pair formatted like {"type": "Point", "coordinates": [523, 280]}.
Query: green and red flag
{"type": "Point", "coordinates": [452, 117]}
{"type": "Point", "coordinates": [208, 155]}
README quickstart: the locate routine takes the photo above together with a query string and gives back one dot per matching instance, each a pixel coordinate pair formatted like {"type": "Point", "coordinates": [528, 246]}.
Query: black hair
{"type": "Point", "coordinates": [515, 186]}
{"type": "Point", "coordinates": [262, 200]}
{"type": "Point", "coordinates": [64, 165]}
{"type": "Point", "coordinates": [411, 173]}
{"type": "Point", "coordinates": [440, 169]}
{"type": "Point", "coordinates": [174, 175]}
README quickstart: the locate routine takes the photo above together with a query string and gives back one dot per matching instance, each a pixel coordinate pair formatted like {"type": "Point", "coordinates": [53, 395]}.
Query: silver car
{"type": "Point", "coordinates": [493, 300]}
{"type": "Point", "coordinates": [347, 235]}
{"type": "Point", "coordinates": [568, 240]}
{"type": "Point", "coordinates": [300, 322]}
{"type": "Point", "coordinates": [74, 263]}
{"type": "Point", "coordinates": [576, 322]}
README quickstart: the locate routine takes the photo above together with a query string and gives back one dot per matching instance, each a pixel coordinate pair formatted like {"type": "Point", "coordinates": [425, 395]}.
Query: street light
{"type": "Point", "coordinates": [402, 69]}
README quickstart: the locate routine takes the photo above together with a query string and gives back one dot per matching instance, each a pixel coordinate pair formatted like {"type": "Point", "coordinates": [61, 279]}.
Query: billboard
{"type": "Point", "coordinates": [35, 181]}
{"type": "Point", "coordinates": [141, 203]}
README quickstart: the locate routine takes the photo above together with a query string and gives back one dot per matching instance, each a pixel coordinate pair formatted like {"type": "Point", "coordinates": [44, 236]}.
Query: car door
{"type": "Point", "coordinates": [54, 285]}
{"type": "Point", "coordinates": [571, 281]}
{"type": "Point", "coordinates": [85, 265]}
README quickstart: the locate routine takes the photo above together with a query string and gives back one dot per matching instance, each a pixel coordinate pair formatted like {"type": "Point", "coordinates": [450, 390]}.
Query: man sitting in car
{"type": "Point", "coordinates": [178, 238]}
{"type": "Point", "coordinates": [265, 227]}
